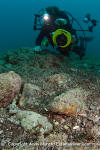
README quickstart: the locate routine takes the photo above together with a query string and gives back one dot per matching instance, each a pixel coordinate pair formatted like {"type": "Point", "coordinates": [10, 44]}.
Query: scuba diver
{"type": "Point", "coordinates": [57, 26]}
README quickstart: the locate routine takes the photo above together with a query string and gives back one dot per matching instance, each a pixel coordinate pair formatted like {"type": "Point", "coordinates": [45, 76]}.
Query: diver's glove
{"type": "Point", "coordinates": [37, 49]}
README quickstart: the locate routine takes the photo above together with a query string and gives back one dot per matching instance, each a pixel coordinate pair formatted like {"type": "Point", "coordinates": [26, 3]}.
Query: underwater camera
{"type": "Point", "coordinates": [43, 17]}
{"type": "Point", "coordinates": [87, 19]}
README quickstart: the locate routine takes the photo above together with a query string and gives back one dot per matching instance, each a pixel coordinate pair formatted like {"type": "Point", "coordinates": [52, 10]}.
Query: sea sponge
{"type": "Point", "coordinates": [10, 84]}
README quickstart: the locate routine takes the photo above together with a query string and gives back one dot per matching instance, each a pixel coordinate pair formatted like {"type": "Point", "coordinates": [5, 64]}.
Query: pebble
{"type": "Point", "coordinates": [56, 123]}
{"type": "Point", "coordinates": [76, 128]}
{"type": "Point", "coordinates": [1, 131]}
{"type": "Point", "coordinates": [1, 120]}
{"type": "Point", "coordinates": [66, 127]}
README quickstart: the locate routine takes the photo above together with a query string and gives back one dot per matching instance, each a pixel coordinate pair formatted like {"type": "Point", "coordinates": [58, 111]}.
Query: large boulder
{"type": "Point", "coordinates": [10, 84]}
{"type": "Point", "coordinates": [70, 103]}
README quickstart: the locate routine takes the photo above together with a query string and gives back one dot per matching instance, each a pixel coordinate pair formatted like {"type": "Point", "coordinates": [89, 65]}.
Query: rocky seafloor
{"type": "Point", "coordinates": [48, 101]}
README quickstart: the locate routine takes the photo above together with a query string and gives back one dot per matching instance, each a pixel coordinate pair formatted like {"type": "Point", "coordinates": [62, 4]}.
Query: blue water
{"type": "Point", "coordinates": [16, 21]}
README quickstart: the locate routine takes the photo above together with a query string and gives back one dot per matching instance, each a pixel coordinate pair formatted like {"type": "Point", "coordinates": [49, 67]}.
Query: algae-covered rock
{"type": "Point", "coordinates": [10, 84]}
{"type": "Point", "coordinates": [34, 122]}
{"type": "Point", "coordinates": [71, 102]}
{"type": "Point", "coordinates": [29, 95]}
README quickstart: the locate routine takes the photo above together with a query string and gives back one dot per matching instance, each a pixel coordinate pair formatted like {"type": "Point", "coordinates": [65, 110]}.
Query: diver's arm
{"type": "Point", "coordinates": [39, 39]}
{"type": "Point", "coordinates": [45, 32]}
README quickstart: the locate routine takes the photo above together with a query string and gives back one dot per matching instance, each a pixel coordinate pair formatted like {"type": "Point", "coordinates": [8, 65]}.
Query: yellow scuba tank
{"type": "Point", "coordinates": [60, 32]}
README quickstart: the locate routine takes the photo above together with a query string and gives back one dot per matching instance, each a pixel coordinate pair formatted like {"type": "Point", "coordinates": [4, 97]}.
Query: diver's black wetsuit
{"type": "Point", "coordinates": [47, 30]}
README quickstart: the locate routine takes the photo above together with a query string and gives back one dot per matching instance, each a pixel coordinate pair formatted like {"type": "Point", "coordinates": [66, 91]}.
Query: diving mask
{"type": "Point", "coordinates": [61, 22]}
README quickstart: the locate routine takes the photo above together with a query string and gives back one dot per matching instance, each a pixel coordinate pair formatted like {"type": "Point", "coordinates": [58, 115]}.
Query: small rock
{"type": "Point", "coordinates": [29, 95]}
{"type": "Point", "coordinates": [66, 127]}
{"type": "Point", "coordinates": [1, 120]}
{"type": "Point", "coordinates": [76, 128]}
{"type": "Point", "coordinates": [1, 131]}
{"type": "Point", "coordinates": [56, 123]}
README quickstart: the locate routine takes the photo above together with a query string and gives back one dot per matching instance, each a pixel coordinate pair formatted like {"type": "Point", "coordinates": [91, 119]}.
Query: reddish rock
{"type": "Point", "coordinates": [10, 84]}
